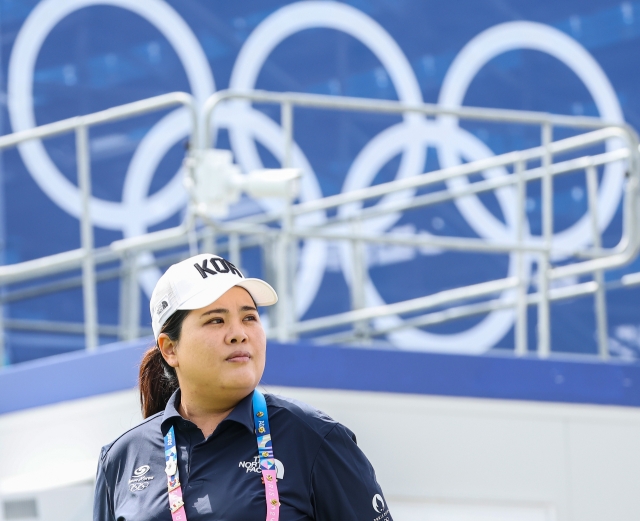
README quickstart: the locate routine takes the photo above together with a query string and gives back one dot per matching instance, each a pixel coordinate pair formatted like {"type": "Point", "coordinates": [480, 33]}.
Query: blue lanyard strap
{"type": "Point", "coordinates": [176, 503]}
{"type": "Point", "coordinates": [265, 453]}
{"type": "Point", "coordinates": [263, 432]}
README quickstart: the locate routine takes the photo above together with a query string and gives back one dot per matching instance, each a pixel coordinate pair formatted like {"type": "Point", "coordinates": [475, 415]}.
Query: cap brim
{"type": "Point", "coordinates": [261, 292]}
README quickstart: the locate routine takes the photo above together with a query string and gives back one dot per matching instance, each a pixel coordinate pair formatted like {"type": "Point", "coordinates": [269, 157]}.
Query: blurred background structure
{"type": "Point", "coordinates": [445, 196]}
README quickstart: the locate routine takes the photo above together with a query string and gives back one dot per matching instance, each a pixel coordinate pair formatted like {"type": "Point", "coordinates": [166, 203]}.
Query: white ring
{"type": "Point", "coordinates": [44, 17]}
{"type": "Point", "coordinates": [272, 31]}
{"type": "Point", "coordinates": [331, 15]}
{"type": "Point", "coordinates": [529, 35]}
{"type": "Point", "coordinates": [478, 338]}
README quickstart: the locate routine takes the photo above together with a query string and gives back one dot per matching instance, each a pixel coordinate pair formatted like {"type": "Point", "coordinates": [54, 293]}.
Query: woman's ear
{"type": "Point", "coordinates": [168, 348]}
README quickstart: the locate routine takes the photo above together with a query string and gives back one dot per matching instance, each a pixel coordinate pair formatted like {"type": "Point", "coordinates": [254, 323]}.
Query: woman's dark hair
{"type": "Point", "coordinates": [157, 379]}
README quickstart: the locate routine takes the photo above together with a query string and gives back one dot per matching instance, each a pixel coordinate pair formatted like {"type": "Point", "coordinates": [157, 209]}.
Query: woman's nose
{"type": "Point", "coordinates": [237, 335]}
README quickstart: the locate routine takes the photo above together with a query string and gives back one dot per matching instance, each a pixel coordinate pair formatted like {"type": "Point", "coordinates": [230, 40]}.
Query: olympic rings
{"type": "Point", "coordinates": [247, 126]}
{"type": "Point", "coordinates": [137, 487]}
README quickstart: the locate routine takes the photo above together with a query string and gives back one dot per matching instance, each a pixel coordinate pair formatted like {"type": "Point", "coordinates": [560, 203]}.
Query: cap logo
{"type": "Point", "coordinates": [218, 265]}
{"type": "Point", "coordinates": [162, 306]}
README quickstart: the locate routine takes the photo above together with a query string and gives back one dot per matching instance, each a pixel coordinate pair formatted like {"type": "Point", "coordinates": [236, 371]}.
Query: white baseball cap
{"type": "Point", "coordinates": [197, 282]}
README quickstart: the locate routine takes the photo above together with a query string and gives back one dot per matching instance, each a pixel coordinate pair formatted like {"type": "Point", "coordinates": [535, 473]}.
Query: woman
{"type": "Point", "coordinates": [204, 450]}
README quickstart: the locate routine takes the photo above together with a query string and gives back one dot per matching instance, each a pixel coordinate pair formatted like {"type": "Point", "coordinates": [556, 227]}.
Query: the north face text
{"type": "Point", "coordinates": [218, 265]}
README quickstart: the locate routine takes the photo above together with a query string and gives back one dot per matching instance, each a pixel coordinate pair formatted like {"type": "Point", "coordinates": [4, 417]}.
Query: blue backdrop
{"type": "Point", "coordinates": [64, 58]}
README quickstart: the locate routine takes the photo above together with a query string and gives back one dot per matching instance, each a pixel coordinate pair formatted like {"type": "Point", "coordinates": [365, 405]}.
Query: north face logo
{"type": "Point", "coordinates": [254, 466]}
{"type": "Point", "coordinates": [218, 265]}
{"type": "Point", "coordinates": [161, 307]}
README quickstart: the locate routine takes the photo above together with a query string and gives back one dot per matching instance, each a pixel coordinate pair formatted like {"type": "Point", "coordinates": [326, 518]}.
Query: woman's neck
{"type": "Point", "coordinates": [204, 412]}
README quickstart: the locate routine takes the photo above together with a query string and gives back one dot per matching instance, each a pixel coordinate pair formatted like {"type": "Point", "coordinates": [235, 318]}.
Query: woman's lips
{"type": "Point", "coordinates": [239, 356]}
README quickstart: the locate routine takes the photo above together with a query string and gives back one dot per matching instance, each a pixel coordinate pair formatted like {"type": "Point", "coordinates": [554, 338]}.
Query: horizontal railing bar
{"type": "Point", "coordinates": [56, 286]}
{"type": "Point", "coordinates": [420, 241]}
{"type": "Point", "coordinates": [479, 187]}
{"type": "Point", "coordinates": [425, 320]}
{"type": "Point", "coordinates": [564, 292]}
{"type": "Point", "coordinates": [241, 227]}
{"type": "Point", "coordinates": [591, 266]}
{"type": "Point", "coordinates": [104, 116]}
{"type": "Point", "coordinates": [41, 267]}
{"type": "Point", "coordinates": [442, 175]}
{"type": "Point", "coordinates": [407, 306]}
{"type": "Point", "coordinates": [72, 260]}
{"type": "Point", "coordinates": [630, 279]}
{"type": "Point", "coordinates": [73, 282]}
{"type": "Point", "coordinates": [436, 317]}
{"type": "Point", "coordinates": [458, 312]}
{"type": "Point", "coordinates": [162, 239]}
{"type": "Point", "coordinates": [167, 238]}
{"type": "Point", "coordinates": [178, 236]}
{"type": "Point", "coordinates": [51, 326]}
{"type": "Point", "coordinates": [451, 243]}
{"type": "Point", "coordinates": [438, 197]}
{"type": "Point", "coordinates": [141, 107]}
{"type": "Point", "coordinates": [395, 107]}
{"type": "Point", "coordinates": [418, 181]}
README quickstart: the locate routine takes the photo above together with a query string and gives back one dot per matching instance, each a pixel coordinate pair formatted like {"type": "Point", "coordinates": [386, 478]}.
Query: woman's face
{"type": "Point", "coordinates": [222, 347]}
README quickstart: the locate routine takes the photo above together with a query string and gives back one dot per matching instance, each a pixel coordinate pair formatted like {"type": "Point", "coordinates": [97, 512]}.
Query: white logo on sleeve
{"type": "Point", "coordinates": [139, 481]}
{"type": "Point", "coordinates": [378, 503]}
{"type": "Point", "coordinates": [141, 471]}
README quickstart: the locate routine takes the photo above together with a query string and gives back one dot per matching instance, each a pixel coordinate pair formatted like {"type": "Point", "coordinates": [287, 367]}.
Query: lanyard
{"type": "Point", "coordinates": [265, 453]}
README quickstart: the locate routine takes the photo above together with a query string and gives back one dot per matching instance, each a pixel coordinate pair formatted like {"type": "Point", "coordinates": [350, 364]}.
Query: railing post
{"type": "Point", "coordinates": [282, 275]}
{"type": "Point", "coordinates": [129, 298]}
{"type": "Point", "coordinates": [358, 283]}
{"type": "Point", "coordinates": [544, 319]}
{"type": "Point", "coordinates": [124, 314]}
{"type": "Point", "coordinates": [269, 272]}
{"type": "Point", "coordinates": [285, 258]}
{"type": "Point", "coordinates": [600, 299]}
{"type": "Point", "coordinates": [3, 350]}
{"type": "Point", "coordinates": [234, 250]}
{"type": "Point", "coordinates": [192, 233]}
{"type": "Point", "coordinates": [286, 117]}
{"type": "Point", "coordinates": [521, 302]}
{"type": "Point", "coordinates": [209, 240]}
{"type": "Point", "coordinates": [86, 236]}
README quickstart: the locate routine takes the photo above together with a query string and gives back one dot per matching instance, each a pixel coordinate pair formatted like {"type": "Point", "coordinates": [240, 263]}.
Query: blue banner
{"type": "Point", "coordinates": [71, 57]}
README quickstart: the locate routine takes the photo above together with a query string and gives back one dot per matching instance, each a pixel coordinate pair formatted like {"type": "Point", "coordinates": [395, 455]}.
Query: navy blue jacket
{"type": "Point", "coordinates": [322, 474]}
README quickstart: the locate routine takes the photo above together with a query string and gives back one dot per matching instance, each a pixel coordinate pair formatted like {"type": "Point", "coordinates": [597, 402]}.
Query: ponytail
{"type": "Point", "coordinates": [157, 380]}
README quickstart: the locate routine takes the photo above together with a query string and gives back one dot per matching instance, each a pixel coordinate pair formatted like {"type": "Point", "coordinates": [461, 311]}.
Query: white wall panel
{"type": "Point", "coordinates": [437, 458]}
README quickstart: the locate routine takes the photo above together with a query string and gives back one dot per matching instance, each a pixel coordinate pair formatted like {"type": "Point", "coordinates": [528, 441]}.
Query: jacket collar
{"type": "Point", "coordinates": [242, 413]}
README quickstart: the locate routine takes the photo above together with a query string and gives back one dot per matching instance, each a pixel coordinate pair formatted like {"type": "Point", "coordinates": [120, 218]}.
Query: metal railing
{"type": "Point", "coordinates": [278, 233]}
{"type": "Point", "coordinates": [603, 259]}
{"type": "Point", "coordinates": [85, 257]}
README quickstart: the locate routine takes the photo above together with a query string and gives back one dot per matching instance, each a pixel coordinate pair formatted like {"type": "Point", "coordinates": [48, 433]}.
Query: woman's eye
{"type": "Point", "coordinates": [215, 321]}
{"type": "Point", "coordinates": [250, 317]}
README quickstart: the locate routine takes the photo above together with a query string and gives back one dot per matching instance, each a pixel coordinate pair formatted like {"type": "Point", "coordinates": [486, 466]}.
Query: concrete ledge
{"type": "Point", "coordinates": [115, 367]}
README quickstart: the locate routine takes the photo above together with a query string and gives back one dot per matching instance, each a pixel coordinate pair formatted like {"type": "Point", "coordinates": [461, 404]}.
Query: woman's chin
{"type": "Point", "coordinates": [241, 380]}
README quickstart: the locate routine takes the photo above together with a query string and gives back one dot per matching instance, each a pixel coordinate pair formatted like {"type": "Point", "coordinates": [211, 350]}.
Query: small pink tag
{"type": "Point", "coordinates": [271, 492]}
{"type": "Point", "coordinates": [176, 495]}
